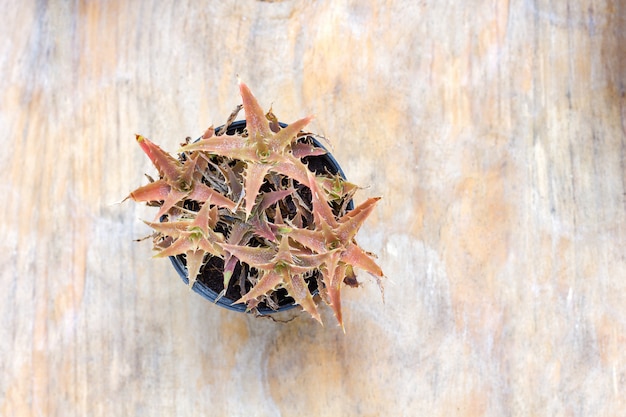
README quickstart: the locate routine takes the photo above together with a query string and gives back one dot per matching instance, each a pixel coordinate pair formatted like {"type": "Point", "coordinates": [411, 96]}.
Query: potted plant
{"type": "Point", "coordinates": [257, 216]}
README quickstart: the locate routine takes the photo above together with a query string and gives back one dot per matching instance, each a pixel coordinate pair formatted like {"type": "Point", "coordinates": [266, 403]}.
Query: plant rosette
{"type": "Point", "coordinates": [257, 216]}
{"type": "Point", "coordinates": [209, 283]}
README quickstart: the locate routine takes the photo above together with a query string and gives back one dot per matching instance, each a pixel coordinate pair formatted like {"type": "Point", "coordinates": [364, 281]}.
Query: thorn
{"type": "Point", "coordinates": [119, 202]}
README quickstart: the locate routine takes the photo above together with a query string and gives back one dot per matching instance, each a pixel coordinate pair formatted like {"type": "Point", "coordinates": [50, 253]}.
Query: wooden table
{"type": "Point", "coordinates": [493, 130]}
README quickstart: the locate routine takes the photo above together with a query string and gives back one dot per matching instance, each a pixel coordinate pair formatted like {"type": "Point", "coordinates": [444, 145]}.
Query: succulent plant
{"type": "Point", "coordinates": [250, 200]}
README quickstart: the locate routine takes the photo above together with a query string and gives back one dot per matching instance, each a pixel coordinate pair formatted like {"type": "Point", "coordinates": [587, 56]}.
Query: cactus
{"type": "Point", "coordinates": [249, 199]}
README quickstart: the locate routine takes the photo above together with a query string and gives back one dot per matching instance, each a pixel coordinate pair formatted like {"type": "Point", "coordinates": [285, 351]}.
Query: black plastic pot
{"type": "Point", "coordinates": [318, 164]}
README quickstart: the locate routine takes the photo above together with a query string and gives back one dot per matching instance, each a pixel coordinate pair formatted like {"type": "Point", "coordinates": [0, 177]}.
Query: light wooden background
{"type": "Point", "coordinates": [494, 131]}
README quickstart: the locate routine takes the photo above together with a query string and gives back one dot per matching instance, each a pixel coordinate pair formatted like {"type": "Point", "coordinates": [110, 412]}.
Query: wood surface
{"type": "Point", "coordinates": [494, 131]}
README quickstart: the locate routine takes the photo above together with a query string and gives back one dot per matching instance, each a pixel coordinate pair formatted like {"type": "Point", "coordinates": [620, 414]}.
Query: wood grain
{"type": "Point", "coordinates": [494, 131]}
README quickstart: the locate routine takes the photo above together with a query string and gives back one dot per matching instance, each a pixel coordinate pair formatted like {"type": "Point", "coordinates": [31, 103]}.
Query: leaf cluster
{"type": "Point", "coordinates": [249, 199]}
